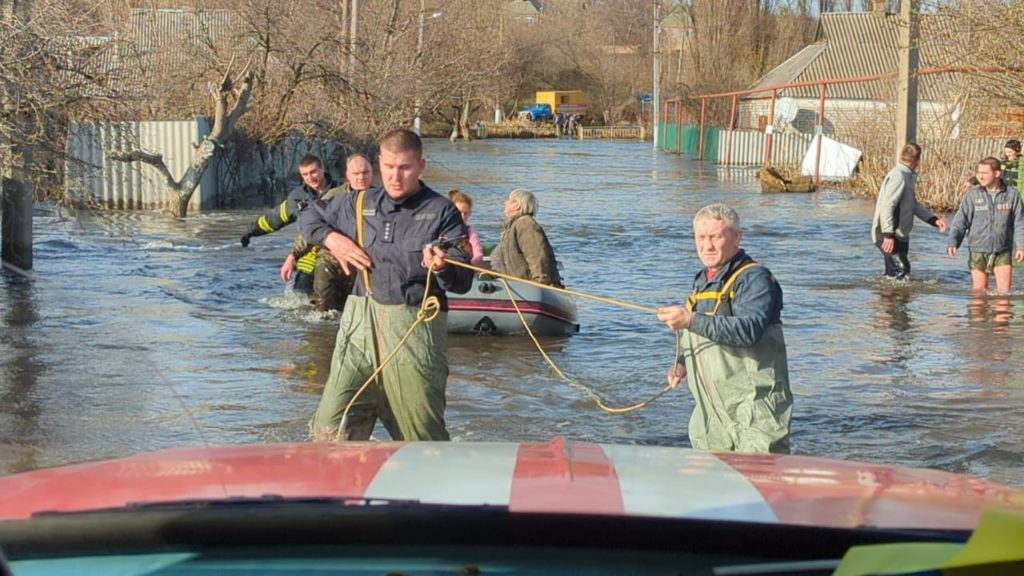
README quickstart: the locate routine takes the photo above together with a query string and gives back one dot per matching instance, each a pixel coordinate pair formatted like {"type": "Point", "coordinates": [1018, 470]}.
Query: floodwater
{"type": "Point", "coordinates": [138, 332]}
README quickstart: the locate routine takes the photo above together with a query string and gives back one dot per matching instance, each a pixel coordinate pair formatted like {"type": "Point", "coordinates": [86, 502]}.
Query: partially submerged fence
{"type": "Point", "coordinates": [627, 132]}
{"type": "Point", "coordinates": [764, 129]}
{"type": "Point", "coordinates": [241, 174]}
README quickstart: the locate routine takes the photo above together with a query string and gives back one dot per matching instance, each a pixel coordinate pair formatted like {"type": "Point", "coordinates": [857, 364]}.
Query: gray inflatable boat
{"type": "Point", "coordinates": [486, 309]}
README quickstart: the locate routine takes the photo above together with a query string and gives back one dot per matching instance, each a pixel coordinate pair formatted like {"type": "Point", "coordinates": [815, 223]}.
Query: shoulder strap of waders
{"type": "Point", "coordinates": [723, 292]}
{"type": "Point", "coordinates": [359, 237]}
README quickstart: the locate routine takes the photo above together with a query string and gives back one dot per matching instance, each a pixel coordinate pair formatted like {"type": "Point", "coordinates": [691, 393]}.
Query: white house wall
{"type": "Point", "coordinates": [849, 117]}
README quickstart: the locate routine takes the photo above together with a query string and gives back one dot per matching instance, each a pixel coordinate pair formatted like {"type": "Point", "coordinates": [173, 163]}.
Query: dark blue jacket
{"type": "Point", "coordinates": [754, 302]}
{"type": "Point", "coordinates": [394, 236]}
{"type": "Point", "coordinates": [288, 210]}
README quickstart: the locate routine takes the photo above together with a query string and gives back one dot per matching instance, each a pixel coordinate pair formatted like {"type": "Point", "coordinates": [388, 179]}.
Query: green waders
{"type": "Point", "coordinates": [409, 396]}
{"type": "Point", "coordinates": [742, 400]}
{"type": "Point", "coordinates": [331, 286]}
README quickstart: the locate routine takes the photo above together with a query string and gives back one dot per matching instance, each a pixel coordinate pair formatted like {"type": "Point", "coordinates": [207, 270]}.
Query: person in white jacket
{"type": "Point", "coordinates": [895, 210]}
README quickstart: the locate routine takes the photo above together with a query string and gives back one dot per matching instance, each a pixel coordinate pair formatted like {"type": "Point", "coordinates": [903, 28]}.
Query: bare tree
{"type": "Point", "coordinates": [55, 67]}
{"type": "Point", "coordinates": [455, 83]}
{"type": "Point", "coordinates": [239, 90]}
{"type": "Point", "coordinates": [974, 35]}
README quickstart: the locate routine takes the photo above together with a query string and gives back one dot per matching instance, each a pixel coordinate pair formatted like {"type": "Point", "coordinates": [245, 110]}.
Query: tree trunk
{"type": "Point", "coordinates": [464, 121]}
{"type": "Point", "coordinates": [223, 125]}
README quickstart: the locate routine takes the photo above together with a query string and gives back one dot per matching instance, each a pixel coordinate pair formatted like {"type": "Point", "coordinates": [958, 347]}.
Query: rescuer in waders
{"type": "Point", "coordinates": [390, 236]}
{"type": "Point", "coordinates": [733, 350]}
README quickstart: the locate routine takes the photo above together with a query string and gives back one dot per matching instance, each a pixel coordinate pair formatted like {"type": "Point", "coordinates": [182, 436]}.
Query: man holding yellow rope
{"type": "Point", "coordinates": [733, 352]}
{"type": "Point", "coordinates": [390, 236]}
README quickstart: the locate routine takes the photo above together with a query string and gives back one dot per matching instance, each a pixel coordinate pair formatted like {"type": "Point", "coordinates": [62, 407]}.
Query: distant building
{"type": "Point", "coordinates": [849, 45]}
{"type": "Point", "coordinates": [676, 29]}
{"type": "Point", "coordinates": [526, 11]}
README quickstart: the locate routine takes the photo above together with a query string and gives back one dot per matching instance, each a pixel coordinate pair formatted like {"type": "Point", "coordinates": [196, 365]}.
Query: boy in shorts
{"type": "Point", "coordinates": [990, 217]}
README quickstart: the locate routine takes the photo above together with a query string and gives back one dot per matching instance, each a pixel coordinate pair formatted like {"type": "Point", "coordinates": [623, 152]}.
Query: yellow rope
{"type": "Point", "coordinates": [431, 307]}
{"type": "Point", "coordinates": [429, 310]}
{"type": "Point", "coordinates": [496, 274]}
{"type": "Point", "coordinates": [572, 381]}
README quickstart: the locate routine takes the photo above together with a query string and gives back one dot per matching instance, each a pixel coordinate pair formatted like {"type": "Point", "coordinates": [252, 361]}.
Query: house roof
{"type": "Point", "coordinates": [161, 40]}
{"type": "Point", "coordinates": [677, 18]}
{"type": "Point", "coordinates": [523, 8]}
{"type": "Point", "coordinates": [178, 36]}
{"type": "Point", "coordinates": [849, 45]}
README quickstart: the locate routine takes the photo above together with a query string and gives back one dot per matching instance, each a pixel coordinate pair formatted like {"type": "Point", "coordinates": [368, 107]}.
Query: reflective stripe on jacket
{"type": "Point", "coordinates": [298, 199]}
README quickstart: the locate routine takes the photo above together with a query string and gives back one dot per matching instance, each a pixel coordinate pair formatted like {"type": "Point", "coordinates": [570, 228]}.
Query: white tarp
{"type": "Point", "coordinates": [837, 159]}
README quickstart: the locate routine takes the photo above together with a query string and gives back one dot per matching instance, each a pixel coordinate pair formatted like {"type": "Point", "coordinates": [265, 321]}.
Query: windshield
{"type": "Point", "coordinates": [139, 332]}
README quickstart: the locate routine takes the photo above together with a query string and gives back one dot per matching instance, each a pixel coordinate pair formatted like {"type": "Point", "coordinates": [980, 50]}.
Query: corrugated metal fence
{"type": "Point", "coordinates": [748, 147]}
{"type": "Point", "coordinates": [241, 174]}
{"type": "Point", "coordinates": [90, 176]}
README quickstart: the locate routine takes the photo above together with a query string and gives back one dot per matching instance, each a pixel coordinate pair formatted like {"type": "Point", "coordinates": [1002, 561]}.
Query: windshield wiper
{"type": "Point", "coordinates": [5, 568]}
{"type": "Point", "coordinates": [271, 499]}
{"type": "Point", "coordinates": [266, 500]}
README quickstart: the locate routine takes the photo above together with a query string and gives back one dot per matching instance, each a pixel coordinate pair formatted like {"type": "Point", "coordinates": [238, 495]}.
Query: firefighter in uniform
{"type": "Point", "coordinates": [315, 182]}
{"type": "Point", "coordinates": [331, 286]}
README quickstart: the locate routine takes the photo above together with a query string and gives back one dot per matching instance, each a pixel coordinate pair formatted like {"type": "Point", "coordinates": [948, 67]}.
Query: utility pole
{"type": "Point", "coordinates": [656, 100]}
{"type": "Point", "coordinates": [344, 21]}
{"type": "Point", "coordinates": [353, 30]}
{"type": "Point", "coordinates": [909, 60]}
{"type": "Point", "coordinates": [419, 55]}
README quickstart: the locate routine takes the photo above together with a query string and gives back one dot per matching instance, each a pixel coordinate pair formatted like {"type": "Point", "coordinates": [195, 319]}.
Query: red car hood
{"type": "Point", "coordinates": [556, 476]}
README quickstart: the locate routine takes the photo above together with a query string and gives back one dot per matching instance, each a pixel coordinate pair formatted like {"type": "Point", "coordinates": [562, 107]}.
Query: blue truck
{"type": "Point", "coordinates": [539, 112]}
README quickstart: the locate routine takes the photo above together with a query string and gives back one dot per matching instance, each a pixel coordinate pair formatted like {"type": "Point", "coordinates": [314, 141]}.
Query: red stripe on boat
{"type": "Point", "coordinates": [560, 476]}
{"type": "Point", "coordinates": [481, 305]}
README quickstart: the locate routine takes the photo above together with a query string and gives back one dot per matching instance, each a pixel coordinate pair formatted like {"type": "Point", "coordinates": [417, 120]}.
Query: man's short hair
{"type": "Point", "coordinates": [911, 153]}
{"type": "Point", "coordinates": [309, 160]}
{"type": "Point", "coordinates": [402, 140]}
{"type": "Point", "coordinates": [1013, 145]}
{"type": "Point", "coordinates": [992, 162]}
{"type": "Point", "coordinates": [355, 156]}
{"type": "Point", "coordinates": [718, 211]}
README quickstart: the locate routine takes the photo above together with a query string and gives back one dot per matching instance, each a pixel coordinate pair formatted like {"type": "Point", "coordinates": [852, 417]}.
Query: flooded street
{"type": "Point", "coordinates": [140, 332]}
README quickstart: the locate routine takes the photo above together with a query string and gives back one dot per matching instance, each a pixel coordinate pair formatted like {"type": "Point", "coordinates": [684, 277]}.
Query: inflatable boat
{"type": "Point", "coordinates": [488, 309]}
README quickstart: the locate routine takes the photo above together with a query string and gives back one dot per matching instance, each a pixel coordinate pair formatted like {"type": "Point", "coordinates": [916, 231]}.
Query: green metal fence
{"type": "Point", "coordinates": [685, 139]}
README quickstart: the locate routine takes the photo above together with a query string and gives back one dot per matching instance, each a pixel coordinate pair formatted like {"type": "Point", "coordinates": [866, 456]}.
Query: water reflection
{"type": "Point", "coordinates": [894, 302]}
{"type": "Point", "coordinates": [987, 340]}
{"type": "Point", "coordinates": [990, 311]}
{"type": "Point", "coordinates": [20, 369]}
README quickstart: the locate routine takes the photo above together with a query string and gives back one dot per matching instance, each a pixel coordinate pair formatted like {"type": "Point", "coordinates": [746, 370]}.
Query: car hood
{"type": "Point", "coordinates": [558, 476]}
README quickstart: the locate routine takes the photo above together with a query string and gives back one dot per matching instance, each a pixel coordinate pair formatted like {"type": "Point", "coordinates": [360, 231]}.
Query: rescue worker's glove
{"type": "Point", "coordinates": [245, 240]}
